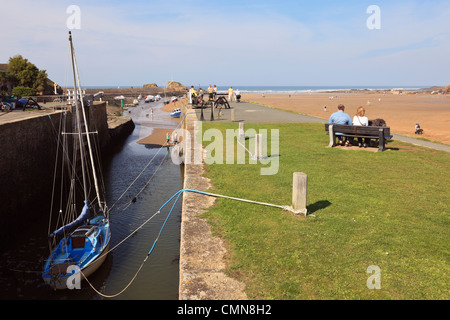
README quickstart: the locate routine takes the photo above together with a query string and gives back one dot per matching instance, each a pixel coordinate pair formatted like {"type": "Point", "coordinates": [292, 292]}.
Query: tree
{"type": "Point", "coordinates": [26, 74]}
{"type": "Point", "coordinates": [40, 81]}
{"type": "Point", "coordinates": [447, 88]}
{"type": "Point", "coordinates": [17, 64]}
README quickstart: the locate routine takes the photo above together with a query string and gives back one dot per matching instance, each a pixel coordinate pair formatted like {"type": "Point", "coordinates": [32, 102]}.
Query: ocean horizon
{"type": "Point", "coordinates": [285, 89]}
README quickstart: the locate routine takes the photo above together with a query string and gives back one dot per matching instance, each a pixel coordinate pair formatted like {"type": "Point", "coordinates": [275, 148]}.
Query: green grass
{"type": "Point", "coordinates": [434, 141]}
{"type": "Point", "coordinates": [389, 209]}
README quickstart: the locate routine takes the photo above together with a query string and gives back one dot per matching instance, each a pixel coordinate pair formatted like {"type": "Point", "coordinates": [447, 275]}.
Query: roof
{"type": "Point", "coordinates": [3, 66]}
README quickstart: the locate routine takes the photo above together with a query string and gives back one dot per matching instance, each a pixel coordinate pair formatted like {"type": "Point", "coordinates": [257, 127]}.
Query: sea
{"type": "Point", "coordinates": [287, 89]}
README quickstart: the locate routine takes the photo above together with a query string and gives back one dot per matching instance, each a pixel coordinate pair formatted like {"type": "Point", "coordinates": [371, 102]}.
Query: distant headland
{"type": "Point", "coordinates": [172, 88]}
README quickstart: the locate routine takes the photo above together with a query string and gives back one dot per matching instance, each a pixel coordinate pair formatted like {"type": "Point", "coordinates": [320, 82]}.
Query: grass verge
{"type": "Point", "coordinates": [389, 209]}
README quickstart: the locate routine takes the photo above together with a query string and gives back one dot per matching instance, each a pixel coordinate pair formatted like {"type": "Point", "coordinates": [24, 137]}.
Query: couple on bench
{"type": "Point", "coordinates": [340, 117]}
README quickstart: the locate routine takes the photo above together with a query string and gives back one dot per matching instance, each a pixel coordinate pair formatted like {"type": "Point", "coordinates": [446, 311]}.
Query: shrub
{"type": "Point", "coordinates": [24, 91]}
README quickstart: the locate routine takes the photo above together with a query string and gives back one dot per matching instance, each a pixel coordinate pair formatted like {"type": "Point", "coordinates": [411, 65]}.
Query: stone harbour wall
{"type": "Point", "coordinates": [27, 159]}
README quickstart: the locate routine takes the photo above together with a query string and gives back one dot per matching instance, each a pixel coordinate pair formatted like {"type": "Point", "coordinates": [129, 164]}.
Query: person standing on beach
{"type": "Point", "coordinates": [193, 95]}
{"type": "Point", "coordinates": [238, 96]}
{"type": "Point", "coordinates": [340, 117]}
{"type": "Point", "coordinates": [215, 91]}
{"type": "Point", "coordinates": [191, 91]}
{"type": "Point", "coordinates": [210, 93]}
{"type": "Point", "coordinates": [230, 94]}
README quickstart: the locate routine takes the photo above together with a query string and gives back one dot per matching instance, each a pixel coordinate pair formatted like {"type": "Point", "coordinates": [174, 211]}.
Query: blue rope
{"type": "Point", "coordinates": [177, 194]}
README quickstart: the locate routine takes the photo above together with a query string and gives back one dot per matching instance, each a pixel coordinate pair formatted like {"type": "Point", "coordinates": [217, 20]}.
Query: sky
{"type": "Point", "coordinates": [251, 43]}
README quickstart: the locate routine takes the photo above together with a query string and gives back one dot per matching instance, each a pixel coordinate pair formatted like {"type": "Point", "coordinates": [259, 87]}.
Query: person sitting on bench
{"type": "Point", "coordinates": [361, 120]}
{"type": "Point", "coordinates": [340, 117]}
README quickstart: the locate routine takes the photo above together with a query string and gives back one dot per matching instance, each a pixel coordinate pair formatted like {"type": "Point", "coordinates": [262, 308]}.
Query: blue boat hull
{"type": "Point", "coordinates": [84, 249]}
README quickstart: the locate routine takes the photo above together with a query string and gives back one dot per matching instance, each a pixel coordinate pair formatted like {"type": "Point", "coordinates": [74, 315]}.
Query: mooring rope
{"type": "Point", "coordinates": [126, 205]}
{"type": "Point", "coordinates": [177, 195]}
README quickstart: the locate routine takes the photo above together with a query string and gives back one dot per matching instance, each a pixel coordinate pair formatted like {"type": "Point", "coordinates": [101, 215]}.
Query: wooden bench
{"type": "Point", "coordinates": [379, 133]}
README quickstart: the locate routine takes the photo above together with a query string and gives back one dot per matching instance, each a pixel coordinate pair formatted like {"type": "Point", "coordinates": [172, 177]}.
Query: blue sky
{"type": "Point", "coordinates": [130, 43]}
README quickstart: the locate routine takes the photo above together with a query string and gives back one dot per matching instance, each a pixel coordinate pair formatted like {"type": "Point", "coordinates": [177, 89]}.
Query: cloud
{"type": "Point", "coordinates": [136, 42]}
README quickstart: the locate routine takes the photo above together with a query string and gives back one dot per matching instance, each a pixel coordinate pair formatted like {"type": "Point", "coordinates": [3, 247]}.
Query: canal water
{"type": "Point", "coordinates": [20, 266]}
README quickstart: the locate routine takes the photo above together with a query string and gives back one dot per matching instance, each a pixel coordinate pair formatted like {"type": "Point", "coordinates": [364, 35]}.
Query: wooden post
{"type": "Point", "coordinates": [241, 135]}
{"type": "Point", "coordinates": [232, 115]}
{"type": "Point", "coordinates": [258, 146]}
{"type": "Point", "coordinates": [381, 141]}
{"type": "Point", "coordinates": [299, 191]}
{"type": "Point", "coordinates": [332, 138]}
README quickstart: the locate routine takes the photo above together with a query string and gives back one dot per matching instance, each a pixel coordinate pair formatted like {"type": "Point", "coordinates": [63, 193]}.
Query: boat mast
{"type": "Point", "coordinates": [80, 136]}
{"type": "Point", "coordinates": [76, 79]}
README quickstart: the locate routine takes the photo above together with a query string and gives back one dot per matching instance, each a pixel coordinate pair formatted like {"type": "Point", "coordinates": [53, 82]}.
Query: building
{"type": "Point", "coordinates": [6, 85]}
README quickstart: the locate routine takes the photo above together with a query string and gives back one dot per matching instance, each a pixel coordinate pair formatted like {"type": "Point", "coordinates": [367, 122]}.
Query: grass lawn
{"type": "Point", "coordinates": [388, 209]}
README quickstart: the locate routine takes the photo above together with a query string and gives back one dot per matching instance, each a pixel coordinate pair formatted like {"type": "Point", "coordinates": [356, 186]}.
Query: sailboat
{"type": "Point", "coordinates": [81, 244]}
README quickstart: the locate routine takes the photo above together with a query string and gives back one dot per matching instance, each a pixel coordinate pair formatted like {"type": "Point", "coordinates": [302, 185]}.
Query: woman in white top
{"type": "Point", "coordinates": [360, 120]}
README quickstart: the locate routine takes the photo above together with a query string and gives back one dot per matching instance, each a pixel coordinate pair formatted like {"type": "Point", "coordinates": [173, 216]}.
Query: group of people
{"type": "Point", "coordinates": [212, 93]}
{"type": "Point", "coordinates": [236, 94]}
{"type": "Point", "coordinates": [195, 95]}
{"type": "Point", "coordinates": [341, 117]}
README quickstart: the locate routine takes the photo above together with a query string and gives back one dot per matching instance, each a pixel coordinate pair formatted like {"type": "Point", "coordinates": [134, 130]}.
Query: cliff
{"type": "Point", "coordinates": [174, 86]}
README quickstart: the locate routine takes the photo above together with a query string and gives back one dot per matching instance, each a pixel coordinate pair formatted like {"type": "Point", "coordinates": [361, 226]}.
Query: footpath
{"type": "Point", "coordinates": [255, 113]}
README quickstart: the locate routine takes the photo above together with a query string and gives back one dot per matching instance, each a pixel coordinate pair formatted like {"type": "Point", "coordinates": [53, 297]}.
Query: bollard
{"type": "Point", "coordinates": [332, 138]}
{"type": "Point", "coordinates": [258, 146]}
{"type": "Point", "coordinates": [232, 115]}
{"type": "Point", "coordinates": [202, 118]}
{"type": "Point", "coordinates": [212, 112]}
{"type": "Point", "coordinates": [299, 191]}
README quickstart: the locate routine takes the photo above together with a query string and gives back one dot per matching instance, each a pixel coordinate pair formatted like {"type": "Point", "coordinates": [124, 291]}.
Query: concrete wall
{"type": "Point", "coordinates": [27, 156]}
{"type": "Point", "coordinates": [27, 159]}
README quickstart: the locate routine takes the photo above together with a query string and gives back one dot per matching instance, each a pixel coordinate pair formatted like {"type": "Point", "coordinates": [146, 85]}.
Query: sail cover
{"type": "Point", "coordinates": [85, 214]}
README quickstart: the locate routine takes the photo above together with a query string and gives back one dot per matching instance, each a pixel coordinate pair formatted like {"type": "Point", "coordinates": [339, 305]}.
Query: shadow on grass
{"type": "Point", "coordinates": [319, 205]}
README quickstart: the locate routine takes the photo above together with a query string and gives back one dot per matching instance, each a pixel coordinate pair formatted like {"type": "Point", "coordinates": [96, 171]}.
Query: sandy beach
{"type": "Point", "coordinates": [401, 112]}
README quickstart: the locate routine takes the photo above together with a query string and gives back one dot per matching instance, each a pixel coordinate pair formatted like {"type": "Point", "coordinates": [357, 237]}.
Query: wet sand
{"type": "Point", "coordinates": [401, 112]}
{"type": "Point", "coordinates": [157, 138]}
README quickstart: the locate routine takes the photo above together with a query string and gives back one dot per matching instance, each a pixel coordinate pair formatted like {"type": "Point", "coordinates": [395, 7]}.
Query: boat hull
{"type": "Point", "coordinates": [176, 113]}
{"type": "Point", "coordinates": [84, 249]}
{"type": "Point", "coordinates": [60, 282]}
